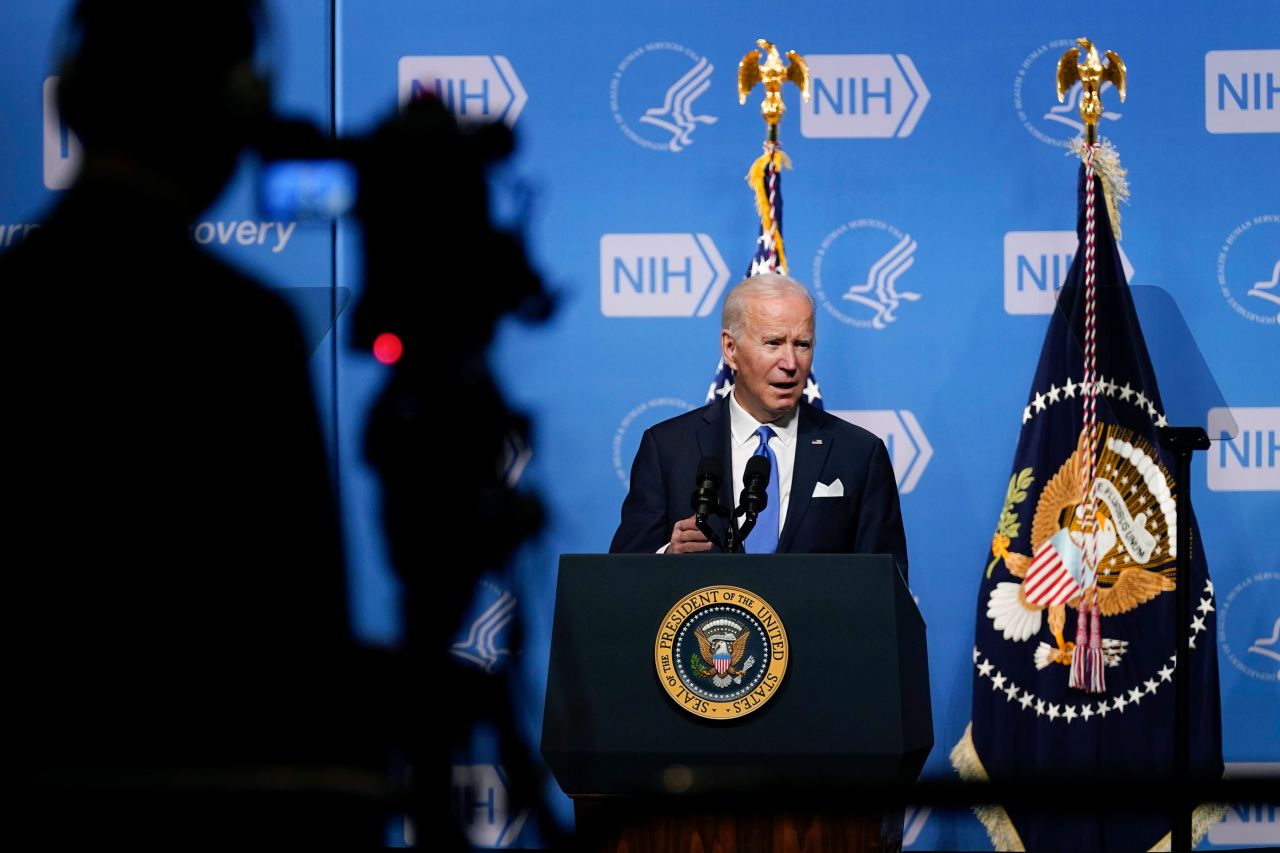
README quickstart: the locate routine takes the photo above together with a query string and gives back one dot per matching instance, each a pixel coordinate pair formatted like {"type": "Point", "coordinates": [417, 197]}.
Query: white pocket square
{"type": "Point", "coordinates": [835, 490]}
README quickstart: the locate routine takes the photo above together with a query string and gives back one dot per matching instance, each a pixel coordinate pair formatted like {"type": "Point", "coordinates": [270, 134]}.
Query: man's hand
{"type": "Point", "coordinates": [686, 538]}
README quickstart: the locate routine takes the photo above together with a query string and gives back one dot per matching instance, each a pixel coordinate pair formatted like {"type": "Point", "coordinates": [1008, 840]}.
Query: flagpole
{"type": "Point", "coordinates": [764, 67]}
{"type": "Point", "coordinates": [1182, 442]}
{"type": "Point", "coordinates": [763, 175]}
{"type": "Point", "coordinates": [1088, 663]}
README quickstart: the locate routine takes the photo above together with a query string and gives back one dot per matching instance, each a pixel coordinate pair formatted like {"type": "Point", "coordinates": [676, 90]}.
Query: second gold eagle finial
{"type": "Point", "coordinates": [1091, 74]}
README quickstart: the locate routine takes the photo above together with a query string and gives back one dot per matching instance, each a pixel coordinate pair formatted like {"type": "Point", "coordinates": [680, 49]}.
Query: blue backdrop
{"type": "Point", "coordinates": [932, 158]}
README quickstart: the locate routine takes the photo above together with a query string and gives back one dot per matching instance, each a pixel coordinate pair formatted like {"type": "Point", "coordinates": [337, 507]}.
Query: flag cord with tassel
{"type": "Point", "coordinates": [1087, 661]}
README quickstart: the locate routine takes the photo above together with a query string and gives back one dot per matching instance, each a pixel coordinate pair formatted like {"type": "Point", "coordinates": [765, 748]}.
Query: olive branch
{"type": "Point", "coordinates": [1007, 529]}
{"type": "Point", "coordinates": [699, 666]}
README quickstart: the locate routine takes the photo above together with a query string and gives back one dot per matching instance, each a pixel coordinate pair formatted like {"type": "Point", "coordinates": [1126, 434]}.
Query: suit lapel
{"type": "Point", "coordinates": [813, 442]}
{"type": "Point", "coordinates": [714, 440]}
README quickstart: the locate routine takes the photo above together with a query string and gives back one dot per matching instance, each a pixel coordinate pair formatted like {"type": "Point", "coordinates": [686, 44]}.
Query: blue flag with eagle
{"type": "Point", "coordinates": [1078, 586]}
{"type": "Point", "coordinates": [765, 179]}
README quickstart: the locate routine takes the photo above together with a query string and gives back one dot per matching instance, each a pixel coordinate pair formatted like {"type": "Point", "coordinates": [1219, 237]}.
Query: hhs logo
{"type": "Point", "coordinates": [1035, 266]}
{"type": "Point", "coordinates": [62, 151]}
{"type": "Point", "coordinates": [914, 817]}
{"type": "Point", "coordinates": [902, 435]}
{"type": "Point", "coordinates": [1249, 269]}
{"type": "Point", "coordinates": [656, 87]}
{"type": "Point", "coordinates": [1249, 626]}
{"type": "Point", "coordinates": [626, 440]}
{"type": "Point", "coordinates": [1242, 91]}
{"type": "Point", "coordinates": [1249, 461]}
{"type": "Point", "coordinates": [474, 88]}
{"type": "Point", "coordinates": [660, 275]}
{"type": "Point", "coordinates": [856, 273]}
{"type": "Point", "coordinates": [863, 95]}
{"type": "Point", "coordinates": [488, 642]}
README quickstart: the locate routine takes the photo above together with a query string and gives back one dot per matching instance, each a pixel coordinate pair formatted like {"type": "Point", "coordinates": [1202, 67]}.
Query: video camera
{"type": "Point", "coordinates": [418, 185]}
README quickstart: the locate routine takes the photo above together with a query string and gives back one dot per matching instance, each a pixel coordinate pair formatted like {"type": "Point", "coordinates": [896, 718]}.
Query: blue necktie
{"type": "Point", "coordinates": [764, 538]}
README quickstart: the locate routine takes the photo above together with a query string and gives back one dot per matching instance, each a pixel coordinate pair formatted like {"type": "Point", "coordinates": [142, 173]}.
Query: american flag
{"type": "Point", "coordinates": [722, 662]}
{"type": "Point", "coordinates": [1050, 579]}
{"type": "Point", "coordinates": [765, 178]}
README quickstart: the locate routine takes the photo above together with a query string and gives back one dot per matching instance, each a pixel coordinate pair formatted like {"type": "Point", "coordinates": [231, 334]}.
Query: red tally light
{"type": "Point", "coordinates": [387, 348]}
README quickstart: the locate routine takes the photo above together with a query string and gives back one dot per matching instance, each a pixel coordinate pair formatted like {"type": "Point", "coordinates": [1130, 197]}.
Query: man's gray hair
{"type": "Point", "coordinates": [766, 285]}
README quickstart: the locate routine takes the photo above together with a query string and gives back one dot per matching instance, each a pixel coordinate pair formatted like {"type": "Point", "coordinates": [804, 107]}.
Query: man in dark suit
{"type": "Point", "coordinates": [835, 488]}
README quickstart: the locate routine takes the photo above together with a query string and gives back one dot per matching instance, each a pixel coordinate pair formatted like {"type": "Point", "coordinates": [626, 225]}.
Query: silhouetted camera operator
{"type": "Point", "coordinates": [440, 277]}
{"type": "Point", "coordinates": [176, 630]}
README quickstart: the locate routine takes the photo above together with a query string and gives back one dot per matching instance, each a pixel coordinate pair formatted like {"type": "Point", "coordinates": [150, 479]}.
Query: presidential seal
{"type": "Point", "coordinates": [721, 652]}
{"type": "Point", "coordinates": [1135, 545]}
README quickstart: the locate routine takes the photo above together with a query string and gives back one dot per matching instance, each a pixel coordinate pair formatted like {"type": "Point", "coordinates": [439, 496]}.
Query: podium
{"type": "Point", "coordinates": [852, 709]}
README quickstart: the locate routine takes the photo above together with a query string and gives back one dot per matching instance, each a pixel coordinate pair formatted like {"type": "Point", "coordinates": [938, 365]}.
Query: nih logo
{"type": "Point", "coordinates": [660, 275]}
{"type": "Point", "coordinates": [1249, 461]}
{"type": "Point", "coordinates": [1242, 91]}
{"type": "Point", "coordinates": [516, 454]}
{"type": "Point", "coordinates": [908, 448]}
{"type": "Point", "coordinates": [62, 151]}
{"type": "Point", "coordinates": [1035, 266]}
{"type": "Point", "coordinates": [1249, 823]}
{"type": "Point", "coordinates": [480, 800]}
{"type": "Point", "coordinates": [474, 88]}
{"type": "Point", "coordinates": [871, 95]}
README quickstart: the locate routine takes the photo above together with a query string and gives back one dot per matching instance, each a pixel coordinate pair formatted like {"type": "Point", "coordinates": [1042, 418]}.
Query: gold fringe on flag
{"type": "Point", "coordinates": [773, 157]}
{"type": "Point", "coordinates": [995, 820]}
{"type": "Point", "coordinates": [1115, 178]}
{"type": "Point", "coordinates": [1203, 819]}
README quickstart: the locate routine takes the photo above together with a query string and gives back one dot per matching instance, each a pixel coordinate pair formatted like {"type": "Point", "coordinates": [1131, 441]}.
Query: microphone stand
{"type": "Point", "coordinates": [708, 531]}
{"type": "Point", "coordinates": [753, 497]}
{"type": "Point", "coordinates": [1182, 442]}
{"type": "Point", "coordinates": [747, 526]}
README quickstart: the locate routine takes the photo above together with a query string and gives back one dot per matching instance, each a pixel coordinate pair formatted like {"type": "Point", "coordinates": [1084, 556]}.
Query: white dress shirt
{"type": "Point", "coordinates": [744, 441]}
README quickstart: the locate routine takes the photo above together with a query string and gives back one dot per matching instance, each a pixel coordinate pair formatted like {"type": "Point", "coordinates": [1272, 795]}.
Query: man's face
{"type": "Point", "coordinates": [773, 357]}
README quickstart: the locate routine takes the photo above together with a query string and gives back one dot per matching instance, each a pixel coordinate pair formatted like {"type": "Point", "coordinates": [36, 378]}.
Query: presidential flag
{"type": "Point", "coordinates": [1074, 646]}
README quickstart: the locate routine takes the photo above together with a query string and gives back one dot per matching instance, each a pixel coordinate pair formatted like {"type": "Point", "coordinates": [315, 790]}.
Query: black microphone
{"type": "Point", "coordinates": [755, 481]}
{"type": "Point", "coordinates": [706, 498]}
{"type": "Point", "coordinates": [706, 492]}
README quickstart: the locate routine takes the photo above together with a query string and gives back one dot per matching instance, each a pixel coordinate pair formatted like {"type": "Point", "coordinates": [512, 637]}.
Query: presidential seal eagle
{"type": "Point", "coordinates": [1135, 524]}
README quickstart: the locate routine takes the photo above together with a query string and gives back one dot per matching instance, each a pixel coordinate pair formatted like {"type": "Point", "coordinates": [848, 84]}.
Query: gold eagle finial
{"type": "Point", "coordinates": [773, 74]}
{"type": "Point", "coordinates": [1091, 74]}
